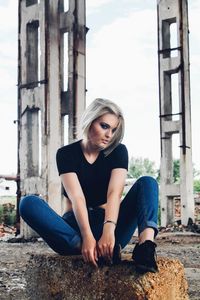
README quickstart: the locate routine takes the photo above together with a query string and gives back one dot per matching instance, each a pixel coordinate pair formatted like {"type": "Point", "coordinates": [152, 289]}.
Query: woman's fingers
{"type": "Point", "coordinates": [111, 251]}
{"type": "Point", "coordinates": [84, 254]}
{"type": "Point", "coordinates": [89, 250]}
{"type": "Point", "coordinates": [95, 254]}
{"type": "Point", "coordinates": [106, 251]}
{"type": "Point", "coordinates": [102, 250]}
{"type": "Point", "coordinates": [90, 256]}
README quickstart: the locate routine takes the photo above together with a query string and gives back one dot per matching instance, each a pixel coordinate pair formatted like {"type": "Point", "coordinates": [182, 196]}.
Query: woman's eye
{"type": "Point", "coordinates": [104, 126]}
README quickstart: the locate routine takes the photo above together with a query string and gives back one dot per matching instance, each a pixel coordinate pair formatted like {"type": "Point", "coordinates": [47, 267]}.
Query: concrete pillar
{"type": "Point", "coordinates": [43, 101]}
{"type": "Point", "coordinates": [32, 80]}
{"type": "Point", "coordinates": [174, 59]}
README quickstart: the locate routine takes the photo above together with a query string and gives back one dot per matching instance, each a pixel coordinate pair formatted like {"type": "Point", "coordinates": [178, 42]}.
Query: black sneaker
{"type": "Point", "coordinates": [144, 257]}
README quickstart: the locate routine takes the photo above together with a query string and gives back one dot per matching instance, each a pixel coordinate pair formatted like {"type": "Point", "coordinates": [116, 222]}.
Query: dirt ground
{"type": "Point", "coordinates": [14, 258]}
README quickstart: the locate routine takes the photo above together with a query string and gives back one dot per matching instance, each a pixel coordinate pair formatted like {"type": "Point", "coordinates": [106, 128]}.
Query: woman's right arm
{"type": "Point", "coordinates": [74, 191]}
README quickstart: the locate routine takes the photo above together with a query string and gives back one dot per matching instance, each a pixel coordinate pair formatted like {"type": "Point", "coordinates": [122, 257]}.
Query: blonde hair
{"type": "Point", "coordinates": [95, 110]}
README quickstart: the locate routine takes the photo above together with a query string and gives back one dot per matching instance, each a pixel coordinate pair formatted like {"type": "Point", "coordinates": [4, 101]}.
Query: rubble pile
{"type": "Point", "coordinates": [178, 227]}
{"type": "Point", "coordinates": [177, 203]}
{"type": "Point", "coordinates": [6, 230]}
{"type": "Point", "coordinates": [7, 220]}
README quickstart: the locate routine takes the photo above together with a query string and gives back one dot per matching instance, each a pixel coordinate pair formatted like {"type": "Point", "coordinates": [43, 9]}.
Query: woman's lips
{"type": "Point", "coordinates": [105, 141]}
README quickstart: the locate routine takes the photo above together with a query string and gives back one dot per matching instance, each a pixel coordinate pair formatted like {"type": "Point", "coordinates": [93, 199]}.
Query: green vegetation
{"type": "Point", "coordinates": [1, 214]}
{"type": "Point", "coordinates": [7, 210]}
{"type": "Point", "coordinates": [196, 185]}
{"type": "Point", "coordinates": [141, 166]}
{"type": "Point", "coordinates": [176, 170]}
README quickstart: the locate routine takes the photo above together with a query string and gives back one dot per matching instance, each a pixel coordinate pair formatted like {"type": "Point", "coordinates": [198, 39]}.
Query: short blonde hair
{"type": "Point", "coordinates": [95, 110]}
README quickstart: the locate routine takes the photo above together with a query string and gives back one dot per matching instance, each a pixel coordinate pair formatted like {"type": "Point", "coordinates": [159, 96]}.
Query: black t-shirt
{"type": "Point", "coordinates": [94, 178]}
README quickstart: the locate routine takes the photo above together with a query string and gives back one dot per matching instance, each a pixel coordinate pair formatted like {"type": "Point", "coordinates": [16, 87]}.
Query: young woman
{"type": "Point", "coordinates": [98, 222]}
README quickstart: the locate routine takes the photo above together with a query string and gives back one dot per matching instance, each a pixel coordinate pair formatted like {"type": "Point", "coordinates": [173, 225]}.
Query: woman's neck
{"type": "Point", "coordinates": [89, 151]}
{"type": "Point", "coordinates": [89, 148]}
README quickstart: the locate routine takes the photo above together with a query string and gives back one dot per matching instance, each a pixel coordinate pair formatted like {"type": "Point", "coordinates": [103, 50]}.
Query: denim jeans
{"type": "Point", "coordinates": [139, 208]}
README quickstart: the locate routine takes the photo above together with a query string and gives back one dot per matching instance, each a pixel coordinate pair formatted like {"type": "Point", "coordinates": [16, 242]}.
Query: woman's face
{"type": "Point", "coordinates": [102, 130]}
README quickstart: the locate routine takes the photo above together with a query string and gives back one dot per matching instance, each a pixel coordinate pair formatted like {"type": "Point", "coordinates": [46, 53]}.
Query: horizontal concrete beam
{"type": "Point", "coordinates": [170, 65]}
{"type": "Point", "coordinates": [57, 277]}
{"type": "Point", "coordinates": [171, 126]}
{"type": "Point", "coordinates": [172, 190]}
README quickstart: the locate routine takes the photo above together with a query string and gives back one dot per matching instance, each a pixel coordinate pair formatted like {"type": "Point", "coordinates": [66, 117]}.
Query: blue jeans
{"type": "Point", "coordinates": [138, 209]}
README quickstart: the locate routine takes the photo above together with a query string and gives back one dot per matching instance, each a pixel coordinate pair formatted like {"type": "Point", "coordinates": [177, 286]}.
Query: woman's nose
{"type": "Point", "coordinates": [109, 133]}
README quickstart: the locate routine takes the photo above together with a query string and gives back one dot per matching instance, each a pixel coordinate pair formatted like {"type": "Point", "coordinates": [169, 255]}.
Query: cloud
{"type": "Point", "coordinates": [8, 151]}
{"type": "Point", "coordinates": [8, 16]}
{"type": "Point", "coordinates": [122, 53]}
{"type": "Point", "coordinates": [8, 48]}
{"type": "Point", "coordinates": [122, 66]}
{"type": "Point", "coordinates": [194, 4]}
{"type": "Point", "coordinates": [8, 90]}
{"type": "Point", "coordinates": [93, 6]}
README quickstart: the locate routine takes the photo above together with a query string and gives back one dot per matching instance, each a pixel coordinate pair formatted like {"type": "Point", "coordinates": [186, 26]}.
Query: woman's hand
{"type": "Point", "coordinates": [89, 250]}
{"type": "Point", "coordinates": [107, 242]}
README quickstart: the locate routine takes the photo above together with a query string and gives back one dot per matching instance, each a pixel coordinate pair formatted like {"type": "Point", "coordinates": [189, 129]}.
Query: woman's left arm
{"type": "Point", "coordinates": [115, 189]}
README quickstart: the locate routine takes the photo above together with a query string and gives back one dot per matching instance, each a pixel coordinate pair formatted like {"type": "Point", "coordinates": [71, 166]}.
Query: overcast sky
{"type": "Point", "coordinates": [121, 66]}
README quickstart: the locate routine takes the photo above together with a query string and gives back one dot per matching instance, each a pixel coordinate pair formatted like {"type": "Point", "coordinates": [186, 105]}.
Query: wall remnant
{"type": "Point", "coordinates": [51, 97]}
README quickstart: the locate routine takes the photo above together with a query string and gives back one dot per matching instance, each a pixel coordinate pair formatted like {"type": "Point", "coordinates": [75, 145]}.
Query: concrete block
{"type": "Point", "coordinates": [51, 276]}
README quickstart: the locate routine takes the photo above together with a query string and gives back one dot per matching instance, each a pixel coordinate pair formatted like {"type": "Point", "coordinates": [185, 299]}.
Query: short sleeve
{"type": "Point", "coordinates": [119, 157]}
{"type": "Point", "coordinates": [65, 161]}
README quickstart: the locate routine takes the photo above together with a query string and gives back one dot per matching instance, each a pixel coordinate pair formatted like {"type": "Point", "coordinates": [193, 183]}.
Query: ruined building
{"type": "Point", "coordinates": [51, 96]}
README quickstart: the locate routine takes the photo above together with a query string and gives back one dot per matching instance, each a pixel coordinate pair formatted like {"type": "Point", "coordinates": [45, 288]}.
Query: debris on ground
{"type": "Point", "coordinates": [178, 227]}
{"type": "Point", "coordinates": [7, 230]}
{"type": "Point", "coordinates": [14, 258]}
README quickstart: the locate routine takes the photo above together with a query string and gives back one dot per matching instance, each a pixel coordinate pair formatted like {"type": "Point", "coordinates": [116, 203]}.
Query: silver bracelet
{"type": "Point", "coordinates": [109, 221]}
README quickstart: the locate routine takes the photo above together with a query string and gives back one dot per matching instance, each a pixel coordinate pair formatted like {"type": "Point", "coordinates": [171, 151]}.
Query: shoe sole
{"type": "Point", "coordinates": [144, 269]}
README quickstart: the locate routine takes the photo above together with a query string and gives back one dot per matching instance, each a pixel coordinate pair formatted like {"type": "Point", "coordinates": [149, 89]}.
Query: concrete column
{"type": "Point", "coordinates": [42, 101]}
{"type": "Point", "coordinates": [174, 59]}
{"type": "Point", "coordinates": [53, 105]}
{"type": "Point", "coordinates": [31, 102]}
